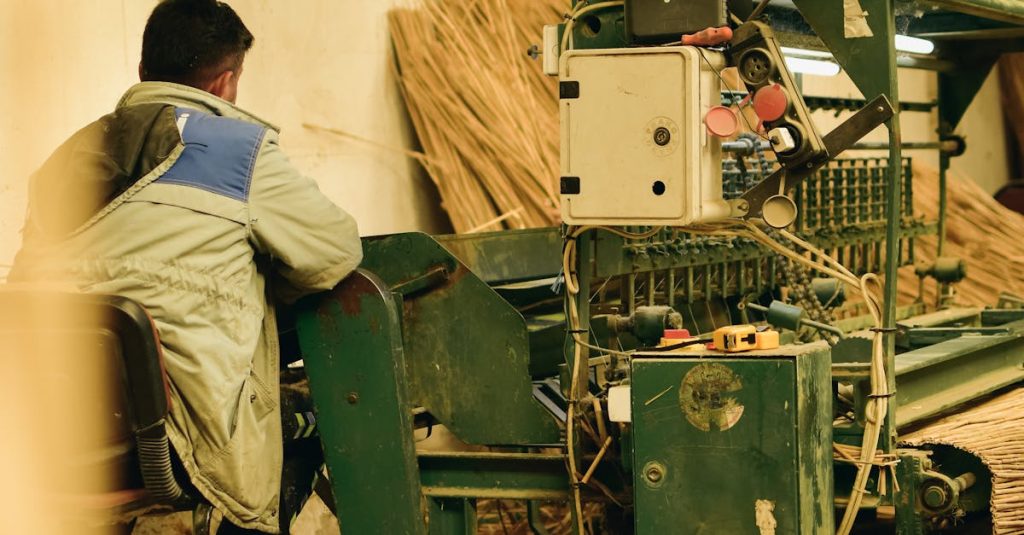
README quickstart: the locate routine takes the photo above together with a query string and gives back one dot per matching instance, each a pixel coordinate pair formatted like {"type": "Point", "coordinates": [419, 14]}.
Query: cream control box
{"type": "Point", "coordinates": [634, 146]}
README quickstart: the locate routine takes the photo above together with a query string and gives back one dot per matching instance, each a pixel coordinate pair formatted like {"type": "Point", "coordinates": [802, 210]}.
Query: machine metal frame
{"type": "Point", "coordinates": [438, 324]}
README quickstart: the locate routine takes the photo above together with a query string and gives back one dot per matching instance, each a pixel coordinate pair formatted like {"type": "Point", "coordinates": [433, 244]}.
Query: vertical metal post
{"type": "Point", "coordinates": [670, 287]}
{"type": "Point", "coordinates": [452, 516]}
{"type": "Point", "coordinates": [584, 272]}
{"type": "Point", "coordinates": [893, 223]}
{"type": "Point", "coordinates": [943, 175]}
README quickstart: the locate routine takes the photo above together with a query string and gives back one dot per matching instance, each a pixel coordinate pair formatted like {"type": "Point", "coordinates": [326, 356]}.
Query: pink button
{"type": "Point", "coordinates": [722, 121]}
{"type": "Point", "coordinates": [771, 103]}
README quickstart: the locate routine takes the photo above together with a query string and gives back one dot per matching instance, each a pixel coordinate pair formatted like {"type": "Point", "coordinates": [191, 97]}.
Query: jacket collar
{"type": "Point", "coordinates": [189, 97]}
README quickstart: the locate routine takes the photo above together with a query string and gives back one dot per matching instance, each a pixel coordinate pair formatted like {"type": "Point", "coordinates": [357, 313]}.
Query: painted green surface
{"type": "Point", "coordinates": [516, 476]}
{"type": "Point", "coordinates": [452, 516]}
{"type": "Point", "coordinates": [351, 343]}
{"type": "Point", "coordinates": [957, 90]}
{"type": "Point", "coordinates": [931, 380]}
{"type": "Point", "coordinates": [779, 448]}
{"type": "Point", "coordinates": [467, 349]}
{"type": "Point", "coordinates": [1004, 10]}
{"type": "Point", "coordinates": [508, 256]}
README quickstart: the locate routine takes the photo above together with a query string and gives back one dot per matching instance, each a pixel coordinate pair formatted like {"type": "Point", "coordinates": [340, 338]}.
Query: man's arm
{"type": "Point", "coordinates": [313, 243]}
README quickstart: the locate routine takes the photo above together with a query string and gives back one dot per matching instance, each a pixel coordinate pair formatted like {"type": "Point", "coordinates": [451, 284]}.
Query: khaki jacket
{"type": "Point", "coordinates": [186, 204]}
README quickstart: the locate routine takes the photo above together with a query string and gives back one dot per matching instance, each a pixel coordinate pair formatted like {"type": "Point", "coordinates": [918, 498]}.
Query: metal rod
{"type": "Point", "coordinates": [744, 146]}
{"type": "Point", "coordinates": [892, 231]}
{"type": "Point", "coordinates": [943, 172]}
{"type": "Point", "coordinates": [1004, 10]}
{"type": "Point", "coordinates": [759, 10]}
{"type": "Point", "coordinates": [966, 481]}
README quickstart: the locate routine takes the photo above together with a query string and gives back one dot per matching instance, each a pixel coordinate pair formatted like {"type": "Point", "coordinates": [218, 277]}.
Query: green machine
{"type": "Point", "coordinates": [545, 346]}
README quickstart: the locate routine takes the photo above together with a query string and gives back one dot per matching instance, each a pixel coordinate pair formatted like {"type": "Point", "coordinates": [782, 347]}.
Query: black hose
{"type": "Point", "coordinates": [157, 472]}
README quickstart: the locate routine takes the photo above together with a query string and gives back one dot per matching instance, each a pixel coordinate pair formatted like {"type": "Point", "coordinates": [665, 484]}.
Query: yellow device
{"type": "Point", "coordinates": [738, 338]}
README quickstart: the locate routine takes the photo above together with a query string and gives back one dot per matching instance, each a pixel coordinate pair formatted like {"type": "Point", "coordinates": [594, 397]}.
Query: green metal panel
{"type": "Point", "coordinates": [862, 58]}
{"type": "Point", "coordinates": [931, 380]}
{"type": "Point", "coordinates": [957, 90]}
{"type": "Point", "coordinates": [713, 435]}
{"type": "Point", "coordinates": [510, 476]}
{"type": "Point", "coordinates": [452, 517]}
{"type": "Point", "coordinates": [352, 346]}
{"type": "Point", "coordinates": [508, 256]}
{"type": "Point", "coordinates": [467, 349]}
{"type": "Point", "coordinates": [909, 471]}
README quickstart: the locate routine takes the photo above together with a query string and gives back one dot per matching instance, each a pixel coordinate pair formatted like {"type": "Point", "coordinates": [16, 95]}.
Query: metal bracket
{"type": "Point", "coordinates": [837, 141]}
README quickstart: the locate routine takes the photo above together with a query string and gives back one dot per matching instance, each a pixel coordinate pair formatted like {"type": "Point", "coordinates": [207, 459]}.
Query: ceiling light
{"type": "Point", "coordinates": [812, 66]}
{"type": "Point", "coordinates": [914, 45]}
{"type": "Point", "coordinates": [805, 53]}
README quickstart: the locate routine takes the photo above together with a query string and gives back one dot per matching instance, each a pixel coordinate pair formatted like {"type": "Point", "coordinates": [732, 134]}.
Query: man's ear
{"type": "Point", "coordinates": [221, 85]}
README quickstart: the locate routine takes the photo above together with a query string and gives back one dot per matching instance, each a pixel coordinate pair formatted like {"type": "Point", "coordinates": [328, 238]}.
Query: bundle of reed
{"type": "Point", "coordinates": [994, 431]}
{"type": "Point", "coordinates": [984, 233]}
{"type": "Point", "coordinates": [484, 113]}
{"type": "Point", "coordinates": [1011, 75]}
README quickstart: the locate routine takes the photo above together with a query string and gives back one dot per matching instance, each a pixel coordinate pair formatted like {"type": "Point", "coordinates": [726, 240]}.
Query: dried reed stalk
{"type": "Point", "coordinates": [994, 431]}
{"type": "Point", "coordinates": [485, 114]}
{"type": "Point", "coordinates": [984, 233]}
{"type": "Point", "coordinates": [1011, 75]}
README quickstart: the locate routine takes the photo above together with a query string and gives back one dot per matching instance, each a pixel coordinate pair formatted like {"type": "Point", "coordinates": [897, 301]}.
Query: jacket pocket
{"type": "Point", "coordinates": [256, 402]}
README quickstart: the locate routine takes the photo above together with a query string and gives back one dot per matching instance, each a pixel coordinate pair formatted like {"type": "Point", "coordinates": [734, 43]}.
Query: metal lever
{"type": "Point", "coordinates": [768, 198]}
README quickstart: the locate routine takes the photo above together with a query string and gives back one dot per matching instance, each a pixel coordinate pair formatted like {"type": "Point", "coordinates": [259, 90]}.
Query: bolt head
{"type": "Point", "coordinates": [352, 398]}
{"type": "Point", "coordinates": [662, 136]}
{"type": "Point", "coordinates": [935, 497]}
{"type": "Point", "coordinates": [654, 474]}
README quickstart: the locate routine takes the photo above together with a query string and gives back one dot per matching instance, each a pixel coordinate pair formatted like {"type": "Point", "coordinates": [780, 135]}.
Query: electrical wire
{"type": "Point", "coordinates": [572, 288]}
{"type": "Point", "coordinates": [739, 110]}
{"type": "Point", "coordinates": [579, 11]}
{"type": "Point", "coordinates": [877, 405]}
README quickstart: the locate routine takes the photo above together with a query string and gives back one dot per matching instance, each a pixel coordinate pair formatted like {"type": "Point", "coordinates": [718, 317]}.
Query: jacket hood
{"type": "Point", "coordinates": [187, 97]}
{"type": "Point", "coordinates": [99, 163]}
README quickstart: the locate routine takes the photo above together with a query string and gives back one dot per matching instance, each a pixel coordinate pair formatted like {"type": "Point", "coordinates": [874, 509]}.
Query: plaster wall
{"type": "Point", "coordinates": [323, 62]}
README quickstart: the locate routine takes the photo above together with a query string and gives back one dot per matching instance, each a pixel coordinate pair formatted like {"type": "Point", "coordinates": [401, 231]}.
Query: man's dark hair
{"type": "Point", "coordinates": [191, 42]}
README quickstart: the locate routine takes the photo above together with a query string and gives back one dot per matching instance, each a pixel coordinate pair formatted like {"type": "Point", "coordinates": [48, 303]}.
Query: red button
{"type": "Point", "coordinates": [771, 102]}
{"type": "Point", "coordinates": [677, 334]}
{"type": "Point", "coordinates": [722, 121]}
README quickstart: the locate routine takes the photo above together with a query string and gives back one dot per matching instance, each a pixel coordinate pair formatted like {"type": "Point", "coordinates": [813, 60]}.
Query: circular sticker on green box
{"type": "Point", "coordinates": [707, 397]}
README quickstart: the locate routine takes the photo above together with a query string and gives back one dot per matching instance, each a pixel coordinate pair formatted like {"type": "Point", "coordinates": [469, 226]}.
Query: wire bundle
{"type": "Point", "coordinates": [814, 258]}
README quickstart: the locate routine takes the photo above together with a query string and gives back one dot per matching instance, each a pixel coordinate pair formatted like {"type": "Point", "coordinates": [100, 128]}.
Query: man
{"type": "Point", "coordinates": [185, 203]}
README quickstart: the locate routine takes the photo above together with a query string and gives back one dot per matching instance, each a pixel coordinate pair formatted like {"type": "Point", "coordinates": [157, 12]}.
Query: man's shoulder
{"type": "Point", "coordinates": [220, 153]}
{"type": "Point", "coordinates": [205, 124]}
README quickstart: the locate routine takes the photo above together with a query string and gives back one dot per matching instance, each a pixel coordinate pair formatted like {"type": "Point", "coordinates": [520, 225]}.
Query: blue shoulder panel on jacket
{"type": "Point", "coordinates": [219, 155]}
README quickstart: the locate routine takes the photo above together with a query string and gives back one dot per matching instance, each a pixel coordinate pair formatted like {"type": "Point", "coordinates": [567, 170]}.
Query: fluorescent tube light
{"type": "Point", "coordinates": [805, 53]}
{"type": "Point", "coordinates": [914, 45]}
{"type": "Point", "coordinates": [812, 66]}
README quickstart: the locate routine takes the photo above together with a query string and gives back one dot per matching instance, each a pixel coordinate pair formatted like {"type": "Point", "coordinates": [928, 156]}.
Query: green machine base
{"type": "Point", "coordinates": [733, 444]}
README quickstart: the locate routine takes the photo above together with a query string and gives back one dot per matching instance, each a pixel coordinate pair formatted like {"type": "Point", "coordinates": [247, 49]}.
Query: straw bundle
{"type": "Point", "coordinates": [994, 431]}
{"type": "Point", "coordinates": [1011, 74]}
{"type": "Point", "coordinates": [484, 112]}
{"type": "Point", "coordinates": [981, 231]}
